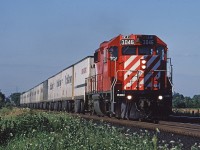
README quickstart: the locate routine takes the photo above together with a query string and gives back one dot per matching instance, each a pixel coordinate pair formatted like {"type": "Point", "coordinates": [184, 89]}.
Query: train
{"type": "Point", "coordinates": [128, 77]}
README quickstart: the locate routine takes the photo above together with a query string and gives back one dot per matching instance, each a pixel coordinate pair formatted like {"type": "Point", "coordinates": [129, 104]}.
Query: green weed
{"type": "Point", "coordinates": [49, 131]}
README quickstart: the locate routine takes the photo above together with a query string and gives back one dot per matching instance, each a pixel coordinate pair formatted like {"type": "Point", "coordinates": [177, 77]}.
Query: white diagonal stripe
{"type": "Point", "coordinates": [132, 69]}
{"type": "Point", "coordinates": [129, 61]}
{"type": "Point", "coordinates": [134, 79]}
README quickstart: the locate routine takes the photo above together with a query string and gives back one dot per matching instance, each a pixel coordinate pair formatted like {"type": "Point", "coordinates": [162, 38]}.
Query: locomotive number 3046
{"type": "Point", "coordinates": [148, 42]}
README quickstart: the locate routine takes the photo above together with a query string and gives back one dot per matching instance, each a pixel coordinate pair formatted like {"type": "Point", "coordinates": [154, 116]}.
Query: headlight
{"type": "Point", "coordinates": [129, 97]}
{"type": "Point", "coordinates": [160, 97]}
{"type": "Point", "coordinates": [143, 66]}
{"type": "Point", "coordinates": [144, 62]}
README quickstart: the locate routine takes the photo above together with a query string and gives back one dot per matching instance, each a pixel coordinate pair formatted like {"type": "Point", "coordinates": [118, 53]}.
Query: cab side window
{"type": "Point", "coordinates": [114, 51]}
{"type": "Point", "coordinates": [96, 57]}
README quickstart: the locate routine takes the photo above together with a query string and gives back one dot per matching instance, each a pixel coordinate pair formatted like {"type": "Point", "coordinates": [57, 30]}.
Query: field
{"type": "Point", "coordinates": [25, 129]}
{"type": "Point", "coordinates": [187, 111]}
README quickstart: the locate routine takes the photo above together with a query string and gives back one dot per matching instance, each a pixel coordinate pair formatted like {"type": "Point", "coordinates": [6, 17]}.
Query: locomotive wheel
{"type": "Point", "coordinates": [50, 106]}
{"type": "Point", "coordinates": [99, 107]}
{"type": "Point", "coordinates": [63, 105]}
{"type": "Point", "coordinates": [118, 111]}
{"type": "Point", "coordinates": [82, 106]}
{"type": "Point", "coordinates": [90, 107]}
{"type": "Point", "coordinates": [128, 111]}
{"type": "Point", "coordinates": [92, 112]}
{"type": "Point", "coordinates": [59, 106]}
{"type": "Point", "coordinates": [124, 110]}
{"type": "Point", "coordinates": [69, 106]}
{"type": "Point", "coordinates": [79, 106]}
{"type": "Point", "coordinates": [110, 114]}
{"type": "Point", "coordinates": [144, 106]}
{"type": "Point", "coordinates": [43, 105]}
{"type": "Point", "coordinates": [55, 105]}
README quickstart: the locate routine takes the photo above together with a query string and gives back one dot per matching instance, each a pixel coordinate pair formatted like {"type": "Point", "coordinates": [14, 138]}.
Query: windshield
{"type": "Point", "coordinates": [143, 50]}
{"type": "Point", "coordinates": [129, 50]}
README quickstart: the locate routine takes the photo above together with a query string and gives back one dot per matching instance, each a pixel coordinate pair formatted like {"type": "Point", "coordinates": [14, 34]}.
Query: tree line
{"type": "Point", "coordinates": [12, 100]}
{"type": "Point", "coordinates": [180, 101]}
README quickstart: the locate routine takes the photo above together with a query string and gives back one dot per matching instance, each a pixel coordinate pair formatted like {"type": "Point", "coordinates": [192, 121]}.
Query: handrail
{"type": "Point", "coordinates": [171, 70]}
{"type": "Point", "coordinates": [95, 80]}
{"type": "Point", "coordinates": [115, 81]}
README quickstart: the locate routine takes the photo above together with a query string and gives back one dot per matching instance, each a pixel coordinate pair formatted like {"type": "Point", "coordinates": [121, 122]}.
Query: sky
{"type": "Point", "coordinates": [39, 38]}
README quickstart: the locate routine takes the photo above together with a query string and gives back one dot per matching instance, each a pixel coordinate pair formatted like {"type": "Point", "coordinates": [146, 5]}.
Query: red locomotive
{"type": "Point", "coordinates": [131, 80]}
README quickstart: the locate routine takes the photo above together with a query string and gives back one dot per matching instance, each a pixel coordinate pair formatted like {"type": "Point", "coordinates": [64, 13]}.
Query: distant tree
{"type": "Point", "coordinates": [178, 96]}
{"type": "Point", "coordinates": [15, 97]}
{"type": "Point", "coordinates": [196, 99]}
{"type": "Point", "coordinates": [2, 99]}
{"type": "Point", "coordinates": [188, 102]}
{"type": "Point", "coordinates": [179, 101]}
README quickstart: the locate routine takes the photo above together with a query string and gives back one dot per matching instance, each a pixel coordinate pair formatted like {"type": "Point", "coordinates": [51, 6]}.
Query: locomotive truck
{"type": "Point", "coordinates": [128, 77]}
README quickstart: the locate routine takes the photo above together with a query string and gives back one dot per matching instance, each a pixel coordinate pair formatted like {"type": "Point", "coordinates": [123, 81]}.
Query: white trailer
{"type": "Point", "coordinates": [82, 70]}
{"type": "Point", "coordinates": [28, 98]}
{"type": "Point", "coordinates": [22, 99]}
{"type": "Point", "coordinates": [32, 95]}
{"type": "Point", "coordinates": [45, 91]}
{"type": "Point", "coordinates": [39, 93]}
{"type": "Point", "coordinates": [67, 85]}
{"type": "Point", "coordinates": [51, 88]}
{"type": "Point", "coordinates": [57, 86]}
{"type": "Point", "coordinates": [63, 90]}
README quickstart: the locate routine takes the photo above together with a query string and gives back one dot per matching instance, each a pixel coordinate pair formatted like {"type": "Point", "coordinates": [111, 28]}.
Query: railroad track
{"type": "Point", "coordinates": [186, 134]}
{"type": "Point", "coordinates": [184, 119]}
{"type": "Point", "coordinates": [186, 129]}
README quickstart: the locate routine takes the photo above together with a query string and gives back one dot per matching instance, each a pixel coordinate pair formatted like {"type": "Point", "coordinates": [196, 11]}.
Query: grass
{"type": "Point", "coordinates": [32, 130]}
{"type": "Point", "coordinates": [8, 112]}
{"type": "Point", "coordinates": [193, 112]}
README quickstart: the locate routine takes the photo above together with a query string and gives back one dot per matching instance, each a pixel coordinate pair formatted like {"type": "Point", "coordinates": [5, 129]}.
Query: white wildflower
{"type": "Point", "coordinates": [157, 130]}
{"type": "Point", "coordinates": [172, 142]}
